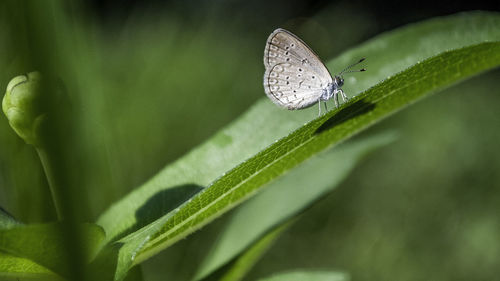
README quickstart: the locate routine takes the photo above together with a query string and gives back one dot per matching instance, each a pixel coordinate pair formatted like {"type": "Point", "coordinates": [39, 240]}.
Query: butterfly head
{"type": "Point", "coordinates": [339, 80]}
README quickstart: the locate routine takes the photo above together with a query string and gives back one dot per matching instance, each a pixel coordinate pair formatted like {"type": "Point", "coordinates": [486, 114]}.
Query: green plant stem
{"type": "Point", "coordinates": [55, 188]}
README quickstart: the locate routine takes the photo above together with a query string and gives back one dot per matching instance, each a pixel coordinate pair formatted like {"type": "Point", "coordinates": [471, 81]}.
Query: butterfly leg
{"type": "Point", "coordinates": [336, 99]}
{"type": "Point", "coordinates": [319, 107]}
{"type": "Point", "coordinates": [344, 96]}
{"type": "Point", "coordinates": [326, 108]}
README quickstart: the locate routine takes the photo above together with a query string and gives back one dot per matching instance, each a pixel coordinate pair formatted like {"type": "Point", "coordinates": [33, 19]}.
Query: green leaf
{"type": "Point", "coordinates": [279, 202]}
{"type": "Point", "coordinates": [248, 259]}
{"type": "Point", "coordinates": [285, 198]}
{"type": "Point", "coordinates": [263, 123]}
{"type": "Point", "coordinates": [7, 220]}
{"type": "Point", "coordinates": [43, 244]}
{"type": "Point", "coordinates": [308, 275]}
{"type": "Point", "coordinates": [16, 267]}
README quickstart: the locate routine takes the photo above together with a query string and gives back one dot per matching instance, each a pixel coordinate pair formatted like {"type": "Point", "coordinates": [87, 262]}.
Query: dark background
{"type": "Point", "coordinates": [385, 14]}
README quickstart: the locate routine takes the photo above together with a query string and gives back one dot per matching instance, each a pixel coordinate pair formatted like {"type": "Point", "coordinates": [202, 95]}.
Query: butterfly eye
{"type": "Point", "coordinates": [339, 81]}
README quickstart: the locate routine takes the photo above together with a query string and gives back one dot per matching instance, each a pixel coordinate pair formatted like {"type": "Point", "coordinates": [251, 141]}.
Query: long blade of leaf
{"type": "Point", "coordinates": [366, 109]}
{"type": "Point", "coordinates": [244, 137]}
{"type": "Point", "coordinates": [284, 199]}
{"type": "Point", "coordinates": [247, 260]}
{"type": "Point", "coordinates": [386, 54]}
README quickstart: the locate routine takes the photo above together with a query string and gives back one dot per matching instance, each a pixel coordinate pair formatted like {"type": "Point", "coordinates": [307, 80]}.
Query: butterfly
{"type": "Point", "coordinates": [295, 77]}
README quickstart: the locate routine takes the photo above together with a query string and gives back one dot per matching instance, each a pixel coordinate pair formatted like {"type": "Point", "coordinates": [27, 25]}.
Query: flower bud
{"type": "Point", "coordinates": [22, 104]}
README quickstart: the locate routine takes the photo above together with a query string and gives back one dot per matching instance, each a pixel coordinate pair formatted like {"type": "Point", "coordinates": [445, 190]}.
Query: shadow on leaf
{"type": "Point", "coordinates": [358, 108]}
{"type": "Point", "coordinates": [163, 202]}
{"type": "Point", "coordinates": [160, 204]}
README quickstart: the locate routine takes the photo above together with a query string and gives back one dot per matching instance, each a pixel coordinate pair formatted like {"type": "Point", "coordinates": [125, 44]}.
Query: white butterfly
{"type": "Point", "coordinates": [295, 77]}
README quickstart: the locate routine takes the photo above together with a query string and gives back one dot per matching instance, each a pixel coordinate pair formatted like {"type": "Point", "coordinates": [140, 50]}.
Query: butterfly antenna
{"type": "Point", "coordinates": [345, 69]}
{"type": "Point", "coordinates": [359, 70]}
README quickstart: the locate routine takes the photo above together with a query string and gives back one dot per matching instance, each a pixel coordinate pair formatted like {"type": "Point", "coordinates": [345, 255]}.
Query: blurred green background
{"type": "Point", "coordinates": [151, 80]}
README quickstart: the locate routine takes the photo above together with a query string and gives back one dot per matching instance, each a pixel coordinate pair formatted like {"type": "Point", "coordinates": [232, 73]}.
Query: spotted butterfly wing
{"type": "Point", "coordinates": [295, 77]}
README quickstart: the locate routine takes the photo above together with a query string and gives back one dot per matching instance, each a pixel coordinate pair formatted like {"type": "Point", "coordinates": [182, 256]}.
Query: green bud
{"type": "Point", "coordinates": [22, 104]}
